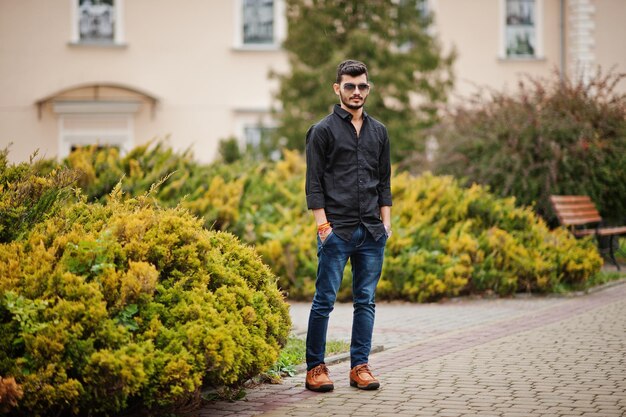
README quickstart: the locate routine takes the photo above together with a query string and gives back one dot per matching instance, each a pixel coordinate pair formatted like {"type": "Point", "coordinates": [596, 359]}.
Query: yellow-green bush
{"type": "Point", "coordinates": [28, 193]}
{"type": "Point", "coordinates": [260, 202]}
{"type": "Point", "coordinates": [451, 240]}
{"type": "Point", "coordinates": [106, 306]}
{"type": "Point", "coordinates": [448, 240]}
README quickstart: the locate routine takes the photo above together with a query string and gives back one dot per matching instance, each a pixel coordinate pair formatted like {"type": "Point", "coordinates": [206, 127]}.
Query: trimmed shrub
{"type": "Point", "coordinates": [448, 240]}
{"type": "Point", "coordinates": [175, 179]}
{"type": "Point", "coordinates": [29, 192]}
{"type": "Point", "coordinates": [104, 307]}
{"type": "Point", "coordinates": [101, 169]}
{"type": "Point", "coordinates": [552, 137]}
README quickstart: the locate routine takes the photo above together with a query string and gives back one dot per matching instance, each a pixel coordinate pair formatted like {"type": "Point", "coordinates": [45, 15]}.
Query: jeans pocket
{"type": "Point", "coordinates": [323, 244]}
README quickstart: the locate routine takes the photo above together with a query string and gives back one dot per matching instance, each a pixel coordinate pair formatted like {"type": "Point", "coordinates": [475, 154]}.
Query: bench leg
{"type": "Point", "coordinates": [611, 252]}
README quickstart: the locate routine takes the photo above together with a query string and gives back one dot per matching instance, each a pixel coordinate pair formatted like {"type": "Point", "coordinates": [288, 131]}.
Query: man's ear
{"type": "Point", "coordinates": [336, 87]}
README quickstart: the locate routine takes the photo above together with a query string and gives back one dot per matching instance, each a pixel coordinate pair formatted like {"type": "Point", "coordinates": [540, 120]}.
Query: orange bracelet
{"type": "Point", "coordinates": [323, 226]}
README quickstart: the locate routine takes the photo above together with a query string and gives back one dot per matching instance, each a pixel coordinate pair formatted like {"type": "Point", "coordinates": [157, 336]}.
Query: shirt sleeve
{"type": "Point", "coordinates": [384, 174]}
{"type": "Point", "coordinates": [315, 165]}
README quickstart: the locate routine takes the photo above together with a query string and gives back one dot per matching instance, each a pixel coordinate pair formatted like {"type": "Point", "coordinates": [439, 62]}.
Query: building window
{"type": "Point", "coordinates": [521, 29]}
{"type": "Point", "coordinates": [77, 131]}
{"type": "Point", "coordinates": [84, 123]}
{"type": "Point", "coordinates": [258, 22]}
{"type": "Point", "coordinates": [97, 22]}
{"type": "Point", "coordinates": [256, 135]}
{"type": "Point", "coordinates": [261, 142]}
{"type": "Point", "coordinates": [261, 24]}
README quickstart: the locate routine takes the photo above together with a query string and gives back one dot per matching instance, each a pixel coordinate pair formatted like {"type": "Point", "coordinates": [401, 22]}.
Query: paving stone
{"type": "Point", "coordinates": [599, 414]}
{"type": "Point", "coordinates": [532, 357]}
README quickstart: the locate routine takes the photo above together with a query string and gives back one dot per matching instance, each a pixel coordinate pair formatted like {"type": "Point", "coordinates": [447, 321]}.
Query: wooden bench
{"type": "Point", "coordinates": [578, 212]}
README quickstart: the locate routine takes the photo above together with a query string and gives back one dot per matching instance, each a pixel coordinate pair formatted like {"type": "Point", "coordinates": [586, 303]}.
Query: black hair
{"type": "Point", "coordinates": [352, 68]}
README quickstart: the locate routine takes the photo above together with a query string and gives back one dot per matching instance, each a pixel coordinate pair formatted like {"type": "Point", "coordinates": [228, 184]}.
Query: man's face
{"type": "Point", "coordinates": [352, 91]}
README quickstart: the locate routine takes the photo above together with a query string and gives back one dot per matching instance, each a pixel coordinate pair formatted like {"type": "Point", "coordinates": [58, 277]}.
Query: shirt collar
{"type": "Point", "coordinates": [344, 114]}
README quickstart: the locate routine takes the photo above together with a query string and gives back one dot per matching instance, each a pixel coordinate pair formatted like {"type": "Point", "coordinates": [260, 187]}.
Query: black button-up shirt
{"type": "Point", "coordinates": [348, 175]}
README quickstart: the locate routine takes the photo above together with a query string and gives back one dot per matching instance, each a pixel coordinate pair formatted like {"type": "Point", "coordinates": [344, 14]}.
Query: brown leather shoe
{"type": "Point", "coordinates": [317, 379]}
{"type": "Point", "coordinates": [362, 378]}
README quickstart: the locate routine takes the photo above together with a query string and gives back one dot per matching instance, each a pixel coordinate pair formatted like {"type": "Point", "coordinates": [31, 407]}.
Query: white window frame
{"type": "Point", "coordinates": [538, 26]}
{"type": "Point", "coordinates": [123, 138]}
{"type": "Point", "coordinates": [279, 26]}
{"type": "Point", "coordinates": [250, 119]}
{"type": "Point", "coordinates": [275, 154]}
{"type": "Point", "coordinates": [118, 36]}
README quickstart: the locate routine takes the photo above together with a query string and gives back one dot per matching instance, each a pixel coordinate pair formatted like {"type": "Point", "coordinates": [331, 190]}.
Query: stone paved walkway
{"type": "Point", "coordinates": [515, 357]}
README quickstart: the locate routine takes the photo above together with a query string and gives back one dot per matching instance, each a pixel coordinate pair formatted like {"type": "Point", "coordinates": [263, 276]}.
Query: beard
{"type": "Point", "coordinates": [345, 99]}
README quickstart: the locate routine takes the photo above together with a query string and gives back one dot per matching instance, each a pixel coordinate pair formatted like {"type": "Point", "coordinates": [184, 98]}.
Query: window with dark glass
{"type": "Point", "coordinates": [521, 31]}
{"type": "Point", "coordinates": [96, 21]}
{"type": "Point", "coordinates": [261, 142]}
{"type": "Point", "coordinates": [258, 22]}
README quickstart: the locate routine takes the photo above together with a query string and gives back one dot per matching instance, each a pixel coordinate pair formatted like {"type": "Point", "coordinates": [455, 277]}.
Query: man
{"type": "Point", "coordinates": [348, 190]}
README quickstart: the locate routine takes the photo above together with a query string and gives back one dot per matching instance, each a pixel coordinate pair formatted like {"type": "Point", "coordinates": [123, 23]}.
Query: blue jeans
{"type": "Point", "coordinates": [366, 257]}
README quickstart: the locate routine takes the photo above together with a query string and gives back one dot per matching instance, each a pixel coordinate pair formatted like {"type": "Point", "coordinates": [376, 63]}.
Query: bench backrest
{"type": "Point", "coordinates": [575, 210]}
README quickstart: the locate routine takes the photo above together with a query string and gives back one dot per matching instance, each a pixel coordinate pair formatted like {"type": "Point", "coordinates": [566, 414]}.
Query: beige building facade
{"type": "Point", "coordinates": [74, 72]}
{"type": "Point", "coordinates": [499, 41]}
{"type": "Point", "coordinates": [123, 72]}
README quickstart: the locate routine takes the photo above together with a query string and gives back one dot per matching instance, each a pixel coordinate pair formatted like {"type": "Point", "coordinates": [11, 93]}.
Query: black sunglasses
{"type": "Point", "coordinates": [362, 87]}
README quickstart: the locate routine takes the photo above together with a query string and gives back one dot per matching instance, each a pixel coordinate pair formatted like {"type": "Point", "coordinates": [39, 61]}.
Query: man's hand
{"type": "Point", "coordinates": [385, 216]}
{"type": "Point", "coordinates": [324, 229]}
{"type": "Point", "coordinates": [324, 234]}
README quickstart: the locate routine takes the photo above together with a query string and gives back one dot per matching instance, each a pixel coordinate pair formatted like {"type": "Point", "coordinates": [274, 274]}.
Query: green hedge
{"type": "Point", "coordinates": [551, 137]}
{"type": "Point", "coordinates": [28, 193]}
{"type": "Point", "coordinates": [106, 307]}
{"type": "Point", "coordinates": [448, 239]}
{"type": "Point", "coordinates": [453, 240]}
